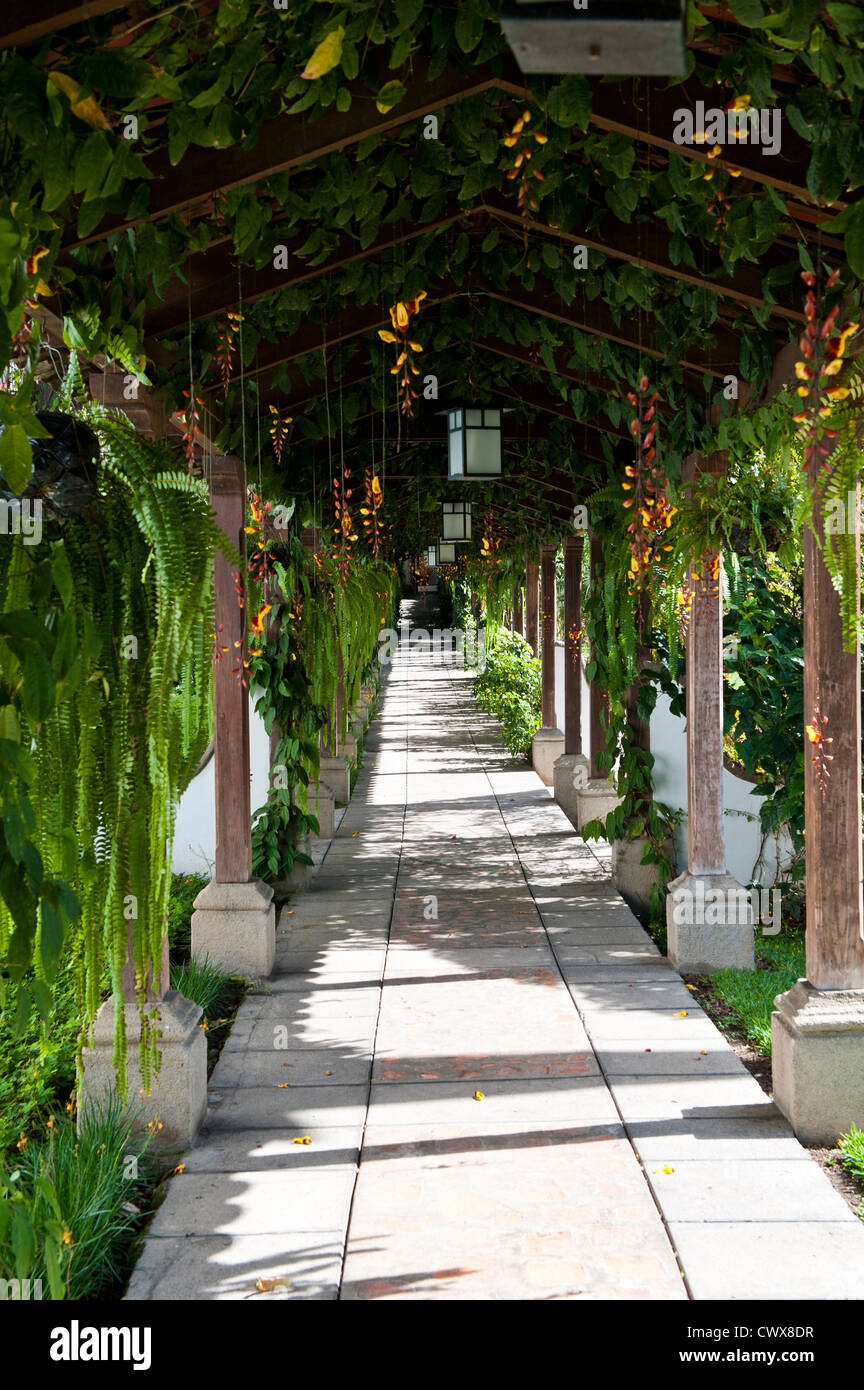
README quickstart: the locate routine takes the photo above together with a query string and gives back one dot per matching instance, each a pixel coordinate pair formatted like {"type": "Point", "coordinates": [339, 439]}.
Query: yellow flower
{"type": "Point", "coordinates": [812, 733]}
{"type": "Point", "coordinates": [385, 335]}
{"type": "Point", "coordinates": [741, 103]}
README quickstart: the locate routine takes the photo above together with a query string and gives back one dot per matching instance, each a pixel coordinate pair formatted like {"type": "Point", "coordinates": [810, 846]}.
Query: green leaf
{"type": "Point", "coordinates": [468, 28]}
{"type": "Point", "coordinates": [570, 102]}
{"type": "Point", "coordinates": [16, 459]}
{"type": "Point", "coordinates": [854, 241]}
{"type": "Point", "coordinates": [326, 56]}
{"type": "Point", "coordinates": [38, 690]}
{"type": "Point", "coordinates": [749, 12]}
{"type": "Point", "coordinates": [390, 95]}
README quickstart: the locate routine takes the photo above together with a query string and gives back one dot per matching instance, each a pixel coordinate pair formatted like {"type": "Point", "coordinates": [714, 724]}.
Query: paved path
{"type": "Point", "coordinates": [460, 941]}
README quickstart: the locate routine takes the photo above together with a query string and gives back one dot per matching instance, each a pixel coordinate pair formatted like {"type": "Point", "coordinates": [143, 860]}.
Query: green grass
{"type": "Point", "coordinates": [69, 1205]}
{"type": "Point", "coordinates": [749, 994]}
{"type": "Point", "coordinates": [852, 1146]}
{"type": "Point", "coordinates": [204, 984]}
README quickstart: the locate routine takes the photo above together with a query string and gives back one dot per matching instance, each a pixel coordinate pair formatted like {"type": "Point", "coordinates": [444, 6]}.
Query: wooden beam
{"type": "Point", "coordinates": [288, 142]}
{"type": "Point", "coordinates": [18, 28]}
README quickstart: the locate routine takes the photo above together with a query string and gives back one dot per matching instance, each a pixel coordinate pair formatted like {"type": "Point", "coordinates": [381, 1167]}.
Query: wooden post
{"type": "Point", "coordinates": [573, 548]}
{"type": "Point", "coordinates": [832, 686]}
{"type": "Point", "coordinates": [531, 606]}
{"type": "Point", "coordinates": [706, 850]}
{"type": "Point", "coordinates": [547, 587]}
{"type": "Point", "coordinates": [599, 697]}
{"type": "Point", "coordinates": [230, 698]}
{"type": "Point", "coordinates": [517, 608]}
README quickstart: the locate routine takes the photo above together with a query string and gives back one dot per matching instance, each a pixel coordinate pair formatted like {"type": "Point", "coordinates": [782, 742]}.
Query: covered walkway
{"type": "Point", "coordinates": [473, 1076]}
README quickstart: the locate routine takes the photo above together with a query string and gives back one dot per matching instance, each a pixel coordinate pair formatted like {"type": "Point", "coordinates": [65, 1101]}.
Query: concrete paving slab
{"type": "Point", "coordinates": [255, 1203]}
{"type": "Point", "coordinates": [295, 1265]}
{"type": "Point", "coordinates": [774, 1260]}
{"type": "Point", "coordinates": [706, 1190]}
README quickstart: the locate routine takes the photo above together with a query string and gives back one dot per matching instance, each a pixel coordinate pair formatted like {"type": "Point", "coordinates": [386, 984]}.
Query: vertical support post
{"type": "Point", "coordinates": [548, 742]}
{"type": "Point", "coordinates": [517, 608]}
{"type": "Point", "coordinates": [818, 1029]}
{"type": "Point", "coordinates": [573, 547]}
{"type": "Point", "coordinates": [547, 621]}
{"type": "Point", "coordinates": [725, 940]}
{"type": "Point", "coordinates": [599, 697]}
{"type": "Point", "coordinates": [234, 919]}
{"type": "Point", "coordinates": [570, 774]}
{"type": "Point", "coordinates": [531, 607]}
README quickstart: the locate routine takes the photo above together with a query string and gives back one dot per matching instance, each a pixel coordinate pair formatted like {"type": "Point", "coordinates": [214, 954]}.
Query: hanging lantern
{"type": "Point", "coordinates": [432, 556]}
{"type": "Point", "coordinates": [645, 38]}
{"type": "Point", "coordinates": [474, 443]}
{"type": "Point", "coordinates": [446, 552]}
{"type": "Point", "coordinates": [456, 521]}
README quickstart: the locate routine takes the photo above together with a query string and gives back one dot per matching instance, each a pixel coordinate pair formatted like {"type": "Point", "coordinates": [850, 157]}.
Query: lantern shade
{"type": "Point", "coordinates": [432, 556]}
{"type": "Point", "coordinates": [456, 521]}
{"type": "Point", "coordinates": [446, 552]}
{"type": "Point", "coordinates": [639, 37]}
{"type": "Point", "coordinates": [474, 443]}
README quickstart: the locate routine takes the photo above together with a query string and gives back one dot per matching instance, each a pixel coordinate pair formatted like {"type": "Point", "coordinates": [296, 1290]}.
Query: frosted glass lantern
{"type": "Point", "coordinates": [474, 443]}
{"type": "Point", "coordinates": [456, 521]}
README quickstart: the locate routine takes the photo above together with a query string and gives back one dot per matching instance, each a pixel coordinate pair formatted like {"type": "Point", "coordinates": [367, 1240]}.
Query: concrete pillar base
{"type": "Point", "coordinates": [595, 801]}
{"type": "Point", "coordinates": [300, 874]}
{"type": "Point", "coordinates": [633, 879]}
{"type": "Point", "coordinates": [336, 774]}
{"type": "Point", "coordinates": [348, 748]}
{"type": "Point", "coordinates": [178, 1095]}
{"type": "Point", "coordinates": [547, 745]}
{"type": "Point", "coordinates": [235, 925]}
{"type": "Point", "coordinates": [724, 941]}
{"type": "Point", "coordinates": [818, 1060]}
{"type": "Point", "coordinates": [569, 774]}
{"type": "Point", "coordinates": [323, 805]}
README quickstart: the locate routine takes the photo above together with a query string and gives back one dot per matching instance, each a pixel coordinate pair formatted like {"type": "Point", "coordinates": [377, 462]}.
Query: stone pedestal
{"type": "Point", "coordinates": [569, 774]}
{"type": "Point", "coordinates": [709, 924]}
{"type": "Point", "coordinates": [336, 774]}
{"type": "Point", "coordinates": [818, 1060]}
{"type": "Point", "coordinates": [323, 806]}
{"type": "Point", "coordinates": [300, 874]}
{"type": "Point", "coordinates": [547, 746]}
{"type": "Point", "coordinates": [178, 1095]}
{"type": "Point", "coordinates": [234, 924]}
{"type": "Point", "coordinates": [595, 800]}
{"type": "Point", "coordinates": [633, 879]}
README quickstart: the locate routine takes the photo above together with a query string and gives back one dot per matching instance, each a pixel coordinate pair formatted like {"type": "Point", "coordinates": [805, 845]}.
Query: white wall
{"type": "Point", "coordinates": [741, 807]}
{"type": "Point", "coordinates": [195, 828]}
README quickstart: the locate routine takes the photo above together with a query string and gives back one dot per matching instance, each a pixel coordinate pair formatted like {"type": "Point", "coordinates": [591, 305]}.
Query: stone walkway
{"type": "Point", "coordinates": [501, 1088]}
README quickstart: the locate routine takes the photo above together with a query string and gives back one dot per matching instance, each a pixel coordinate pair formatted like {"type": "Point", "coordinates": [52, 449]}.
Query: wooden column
{"type": "Point", "coordinates": [531, 606]}
{"type": "Point", "coordinates": [706, 850]}
{"type": "Point", "coordinates": [832, 686]}
{"type": "Point", "coordinates": [573, 548]}
{"type": "Point", "coordinates": [547, 618]}
{"type": "Point", "coordinates": [599, 697]}
{"type": "Point", "coordinates": [640, 727]}
{"type": "Point", "coordinates": [517, 609]}
{"type": "Point", "coordinates": [230, 699]}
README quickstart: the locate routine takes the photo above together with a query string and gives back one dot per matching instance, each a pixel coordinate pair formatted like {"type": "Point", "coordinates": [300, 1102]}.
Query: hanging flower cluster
{"type": "Point", "coordinates": [344, 527]}
{"type": "Point", "coordinates": [279, 431]}
{"type": "Point", "coordinates": [191, 427]}
{"type": "Point", "coordinates": [821, 758]}
{"type": "Point", "coordinates": [521, 159]}
{"type": "Point", "coordinates": [491, 539]}
{"type": "Point", "coordinates": [374, 498]}
{"type": "Point", "coordinates": [225, 350]}
{"type": "Point", "coordinates": [652, 514]}
{"type": "Point", "coordinates": [261, 561]}
{"type": "Point", "coordinates": [823, 347]}
{"type": "Point", "coordinates": [401, 315]}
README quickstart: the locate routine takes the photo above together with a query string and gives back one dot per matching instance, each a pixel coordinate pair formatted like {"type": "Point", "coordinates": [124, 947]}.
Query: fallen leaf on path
{"type": "Point", "coordinates": [284, 1085]}
{"type": "Point", "coordinates": [478, 1095]}
{"type": "Point", "coordinates": [681, 1014]}
{"type": "Point", "coordinates": [265, 1285]}
{"type": "Point", "coordinates": [664, 1170]}
{"type": "Point", "coordinates": [305, 1140]}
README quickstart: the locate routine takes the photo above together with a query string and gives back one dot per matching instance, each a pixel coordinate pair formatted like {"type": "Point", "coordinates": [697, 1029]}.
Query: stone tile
{"type": "Point", "coordinates": [304, 1264]}
{"type": "Point", "coordinates": [300, 1109]}
{"type": "Point", "coordinates": [727, 1189]}
{"type": "Point", "coordinates": [665, 1141]}
{"type": "Point", "coordinates": [246, 1151]}
{"type": "Point", "coordinates": [772, 1259]}
{"type": "Point", "coordinates": [255, 1203]}
{"type": "Point", "coordinates": [690, 1097]}
{"type": "Point", "coordinates": [303, 1067]}
{"type": "Point", "coordinates": [629, 1057]}
{"type": "Point", "coordinates": [575, 1099]}
{"type": "Point", "coordinates": [605, 997]}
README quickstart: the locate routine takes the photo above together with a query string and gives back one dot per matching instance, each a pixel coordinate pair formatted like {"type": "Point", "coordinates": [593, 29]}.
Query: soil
{"type": "Point", "coordinates": [829, 1160]}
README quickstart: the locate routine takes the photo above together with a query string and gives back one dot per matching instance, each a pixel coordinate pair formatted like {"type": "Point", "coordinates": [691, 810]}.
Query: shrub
{"type": "Point", "coordinates": [510, 688]}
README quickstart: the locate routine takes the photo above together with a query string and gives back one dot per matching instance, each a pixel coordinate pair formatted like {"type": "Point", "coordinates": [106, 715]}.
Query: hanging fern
{"type": "Point", "coordinates": [134, 707]}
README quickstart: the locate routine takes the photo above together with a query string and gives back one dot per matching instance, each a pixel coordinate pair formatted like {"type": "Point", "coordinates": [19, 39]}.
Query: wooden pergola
{"type": "Point", "coordinates": [641, 112]}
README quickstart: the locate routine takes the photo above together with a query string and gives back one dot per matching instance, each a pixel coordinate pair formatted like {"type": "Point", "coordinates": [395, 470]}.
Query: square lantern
{"type": "Point", "coordinates": [446, 552]}
{"type": "Point", "coordinates": [456, 521]}
{"type": "Point", "coordinates": [432, 556]}
{"type": "Point", "coordinates": [474, 443]}
{"type": "Point", "coordinates": [644, 38]}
